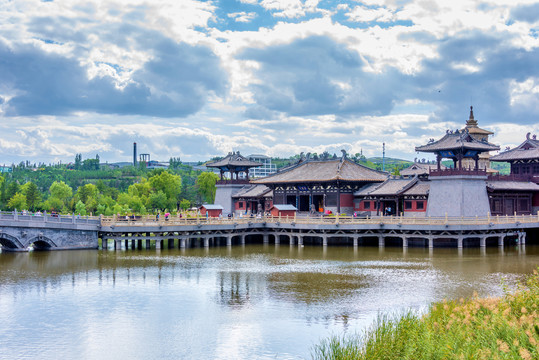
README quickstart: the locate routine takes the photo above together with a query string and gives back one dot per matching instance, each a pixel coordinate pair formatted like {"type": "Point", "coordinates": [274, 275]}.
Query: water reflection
{"type": "Point", "coordinates": [199, 303]}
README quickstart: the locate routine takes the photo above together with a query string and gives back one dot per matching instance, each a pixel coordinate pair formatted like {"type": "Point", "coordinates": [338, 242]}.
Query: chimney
{"type": "Point", "coordinates": [134, 154]}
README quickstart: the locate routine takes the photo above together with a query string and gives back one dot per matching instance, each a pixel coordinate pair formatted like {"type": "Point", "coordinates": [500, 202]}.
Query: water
{"type": "Point", "coordinates": [252, 302]}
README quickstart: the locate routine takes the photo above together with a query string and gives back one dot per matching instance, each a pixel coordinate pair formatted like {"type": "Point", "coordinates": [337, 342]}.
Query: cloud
{"type": "Point", "coordinates": [527, 13]}
{"type": "Point", "coordinates": [175, 82]}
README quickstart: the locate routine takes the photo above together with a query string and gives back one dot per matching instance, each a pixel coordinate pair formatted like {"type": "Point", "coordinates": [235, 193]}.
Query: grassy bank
{"type": "Point", "coordinates": [491, 328]}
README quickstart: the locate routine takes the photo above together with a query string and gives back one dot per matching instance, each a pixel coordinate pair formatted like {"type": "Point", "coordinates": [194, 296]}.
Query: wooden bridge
{"type": "Point", "coordinates": [45, 232]}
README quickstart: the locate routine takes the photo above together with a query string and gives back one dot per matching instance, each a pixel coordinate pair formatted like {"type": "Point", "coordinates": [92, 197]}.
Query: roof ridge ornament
{"type": "Point", "coordinates": [471, 121]}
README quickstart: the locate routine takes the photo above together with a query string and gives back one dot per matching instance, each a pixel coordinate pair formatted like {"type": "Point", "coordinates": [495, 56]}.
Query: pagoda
{"type": "Point", "coordinates": [459, 190]}
{"type": "Point", "coordinates": [479, 134]}
{"type": "Point", "coordinates": [234, 164]}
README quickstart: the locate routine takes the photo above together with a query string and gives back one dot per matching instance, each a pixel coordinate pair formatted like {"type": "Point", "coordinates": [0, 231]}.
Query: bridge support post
{"type": "Point", "coordinates": [500, 240]}
{"type": "Point", "coordinates": [355, 240]}
{"type": "Point", "coordinates": [277, 239]}
{"type": "Point", "coordinates": [117, 244]}
{"type": "Point", "coordinates": [170, 243]}
{"type": "Point", "coordinates": [459, 242]}
{"type": "Point", "coordinates": [133, 244]}
{"type": "Point", "coordinates": [206, 242]}
{"type": "Point", "coordinates": [381, 241]}
{"type": "Point", "coordinates": [181, 243]}
{"type": "Point", "coordinates": [324, 241]}
{"type": "Point", "coordinates": [300, 240]}
{"type": "Point", "coordinates": [265, 238]}
{"type": "Point", "coordinates": [522, 238]}
{"type": "Point", "coordinates": [242, 239]}
{"type": "Point", "coordinates": [158, 244]}
{"type": "Point", "coordinates": [229, 240]}
{"type": "Point", "coordinates": [148, 244]}
{"type": "Point", "coordinates": [291, 239]}
{"type": "Point", "coordinates": [139, 244]}
{"type": "Point", "coordinates": [404, 241]}
{"type": "Point", "coordinates": [431, 242]}
{"type": "Point", "coordinates": [104, 243]}
{"type": "Point", "coordinates": [126, 242]}
{"type": "Point", "coordinates": [483, 242]}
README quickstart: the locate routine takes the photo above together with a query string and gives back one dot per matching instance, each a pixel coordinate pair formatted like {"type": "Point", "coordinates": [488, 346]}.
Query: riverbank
{"type": "Point", "coordinates": [476, 328]}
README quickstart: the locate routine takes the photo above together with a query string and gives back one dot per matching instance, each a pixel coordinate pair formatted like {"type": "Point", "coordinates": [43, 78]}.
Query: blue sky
{"type": "Point", "coordinates": [197, 79]}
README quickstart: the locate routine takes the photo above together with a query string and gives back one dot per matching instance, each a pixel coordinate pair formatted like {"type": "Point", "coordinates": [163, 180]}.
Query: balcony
{"type": "Point", "coordinates": [515, 177]}
{"type": "Point", "coordinates": [453, 172]}
{"type": "Point", "coordinates": [232, 181]}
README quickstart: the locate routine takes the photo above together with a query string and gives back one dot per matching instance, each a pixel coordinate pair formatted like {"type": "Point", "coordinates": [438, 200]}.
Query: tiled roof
{"type": "Point", "coordinates": [252, 191]}
{"type": "Point", "coordinates": [323, 171]}
{"type": "Point", "coordinates": [420, 188]}
{"type": "Point", "coordinates": [457, 140]}
{"type": "Point", "coordinates": [212, 207]}
{"type": "Point", "coordinates": [284, 207]}
{"type": "Point", "coordinates": [388, 187]}
{"type": "Point", "coordinates": [512, 185]}
{"type": "Point", "coordinates": [420, 169]}
{"type": "Point", "coordinates": [529, 149]}
{"type": "Point", "coordinates": [234, 159]}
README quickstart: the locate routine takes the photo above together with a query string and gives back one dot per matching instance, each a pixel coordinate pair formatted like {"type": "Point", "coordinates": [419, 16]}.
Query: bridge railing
{"type": "Point", "coordinates": [48, 217]}
{"type": "Point", "coordinates": [318, 220]}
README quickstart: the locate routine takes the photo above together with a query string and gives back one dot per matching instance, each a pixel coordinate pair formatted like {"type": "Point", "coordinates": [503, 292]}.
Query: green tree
{"type": "Point", "coordinates": [32, 194]}
{"type": "Point", "coordinates": [61, 193]}
{"type": "Point", "coordinates": [158, 200]}
{"type": "Point", "coordinates": [206, 185]}
{"type": "Point", "coordinates": [12, 188]}
{"type": "Point", "coordinates": [80, 208]}
{"type": "Point", "coordinates": [18, 201]}
{"type": "Point", "coordinates": [170, 185]}
{"type": "Point", "coordinates": [185, 204]}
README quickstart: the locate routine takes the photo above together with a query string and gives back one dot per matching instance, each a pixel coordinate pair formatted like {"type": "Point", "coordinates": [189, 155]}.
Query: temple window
{"type": "Point", "coordinates": [240, 205]}
{"type": "Point", "coordinates": [407, 205]}
{"type": "Point", "coordinates": [366, 205]}
{"type": "Point", "coordinates": [420, 205]}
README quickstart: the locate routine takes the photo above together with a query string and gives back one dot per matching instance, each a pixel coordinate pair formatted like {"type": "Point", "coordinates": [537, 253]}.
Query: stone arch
{"type": "Point", "coordinates": [10, 243]}
{"type": "Point", "coordinates": [42, 242]}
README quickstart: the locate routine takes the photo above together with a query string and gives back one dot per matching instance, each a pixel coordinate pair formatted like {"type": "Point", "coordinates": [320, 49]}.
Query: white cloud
{"type": "Point", "coordinates": [242, 16]}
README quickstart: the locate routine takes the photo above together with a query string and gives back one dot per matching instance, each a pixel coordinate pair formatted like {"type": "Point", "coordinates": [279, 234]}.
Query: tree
{"type": "Point", "coordinates": [170, 185]}
{"type": "Point", "coordinates": [80, 208]}
{"type": "Point", "coordinates": [158, 201]}
{"type": "Point", "coordinates": [18, 201]}
{"type": "Point", "coordinates": [32, 194]}
{"type": "Point", "coordinates": [61, 193]}
{"type": "Point", "coordinates": [206, 185]}
{"type": "Point", "coordinates": [185, 204]}
{"type": "Point", "coordinates": [78, 161]}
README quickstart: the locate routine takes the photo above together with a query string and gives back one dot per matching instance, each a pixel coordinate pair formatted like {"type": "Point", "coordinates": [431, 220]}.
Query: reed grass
{"type": "Point", "coordinates": [477, 328]}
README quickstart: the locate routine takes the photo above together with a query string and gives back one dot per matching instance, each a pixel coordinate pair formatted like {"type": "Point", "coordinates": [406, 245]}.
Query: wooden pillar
{"type": "Point", "coordinates": [460, 240]}
{"type": "Point", "coordinates": [338, 197]}
{"type": "Point", "coordinates": [126, 244]}
{"type": "Point", "coordinates": [158, 244]}
{"type": "Point", "coordinates": [355, 240]}
{"type": "Point", "coordinates": [104, 243]}
{"type": "Point", "coordinates": [133, 244]}
{"type": "Point", "coordinates": [171, 243]}
{"type": "Point", "coordinates": [431, 242]}
{"type": "Point", "coordinates": [117, 244]}
{"type": "Point", "coordinates": [300, 240]}
{"type": "Point", "coordinates": [291, 239]}
{"type": "Point", "coordinates": [405, 241]}
{"type": "Point", "coordinates": [476, 158]}
{"type": "Point", "coordinates": [206, 242]}
{"type": "Point", "coordinates": [277, 239]}
{"type": "Point", "coordinates": [265, 238]}
{"type": "Point", "coordinates": [229, 240]}
{"type": "Point", "coordinates": [324, 240]}
{"type": "Point", "coordinates": [148, 244]}
{"type": "Point", "coordinates": [182, 243]}
{"type": "Point", "coordinates": [381, 241]}
{"type": "Point", "coordinates": [439, 161]}
{"type": "Point", "coordinates": [242, 237]}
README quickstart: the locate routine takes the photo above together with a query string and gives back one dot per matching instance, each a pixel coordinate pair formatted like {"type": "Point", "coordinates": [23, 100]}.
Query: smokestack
{"type": "Point", "coordinates": [134, 154]}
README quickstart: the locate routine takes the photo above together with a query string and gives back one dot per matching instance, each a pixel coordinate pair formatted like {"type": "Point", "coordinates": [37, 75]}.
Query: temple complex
{"type": "Point", "coordinates": [321, 185]}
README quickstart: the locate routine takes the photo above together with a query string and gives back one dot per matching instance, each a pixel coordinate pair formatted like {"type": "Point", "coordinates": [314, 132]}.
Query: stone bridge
{"type": "Point", "coordinates": [45, 232]}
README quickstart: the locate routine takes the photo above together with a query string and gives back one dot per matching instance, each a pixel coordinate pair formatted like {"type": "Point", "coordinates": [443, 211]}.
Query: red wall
{"type": "Point", "coordinates": [289, 213]}
{"type": "Point", "coordinates": [347, 200]}
{"type": "Point", "coordinates": [362, 205]}
{"type": "Point", "coordinates": [414, 206]}
{"type": "Point", "coordinates": [535, 199]}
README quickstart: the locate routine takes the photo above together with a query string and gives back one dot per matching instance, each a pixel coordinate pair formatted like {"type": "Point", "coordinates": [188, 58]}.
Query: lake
{"type": "Point", "coordinates": [241, 302]}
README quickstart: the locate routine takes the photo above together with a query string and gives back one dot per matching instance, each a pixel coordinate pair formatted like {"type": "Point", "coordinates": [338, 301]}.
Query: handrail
{"type": "Point", "coordinates": [320, 220]}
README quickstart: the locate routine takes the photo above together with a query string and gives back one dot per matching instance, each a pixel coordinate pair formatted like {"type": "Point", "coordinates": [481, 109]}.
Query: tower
{"type": "Point", "coordinates": [134, 154]}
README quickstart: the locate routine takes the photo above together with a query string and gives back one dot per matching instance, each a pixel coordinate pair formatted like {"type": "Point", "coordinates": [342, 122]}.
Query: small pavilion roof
{"type": "Point", "coordinates": [388, 187]}
{"type": "Point", "coordinates": [457, 140]}
{"type": "Point", "coordinates": [471, 126]}
{"type": "Point", "coordinates": [253, 191]}
{"type": "Point", "coordinates": [232, 160]}
{"type": "Point", "coordinates": [418, 168]}
{"type": "Point", "coordinates": [212, 207]}
{"type": "Point", "coordinates": [283, 207]}
{"type": "Point", "coordinates": [529, 149]}
{"type": "Point", "coordinates": [341, 169]}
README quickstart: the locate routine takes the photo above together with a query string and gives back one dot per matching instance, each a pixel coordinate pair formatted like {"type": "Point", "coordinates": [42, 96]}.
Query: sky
{"type": "Point", "coordinates": [198, 79]}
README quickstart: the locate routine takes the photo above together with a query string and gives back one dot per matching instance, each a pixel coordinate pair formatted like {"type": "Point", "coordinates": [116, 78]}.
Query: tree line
{"type": "Point", "coordinates": [84, 187]}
